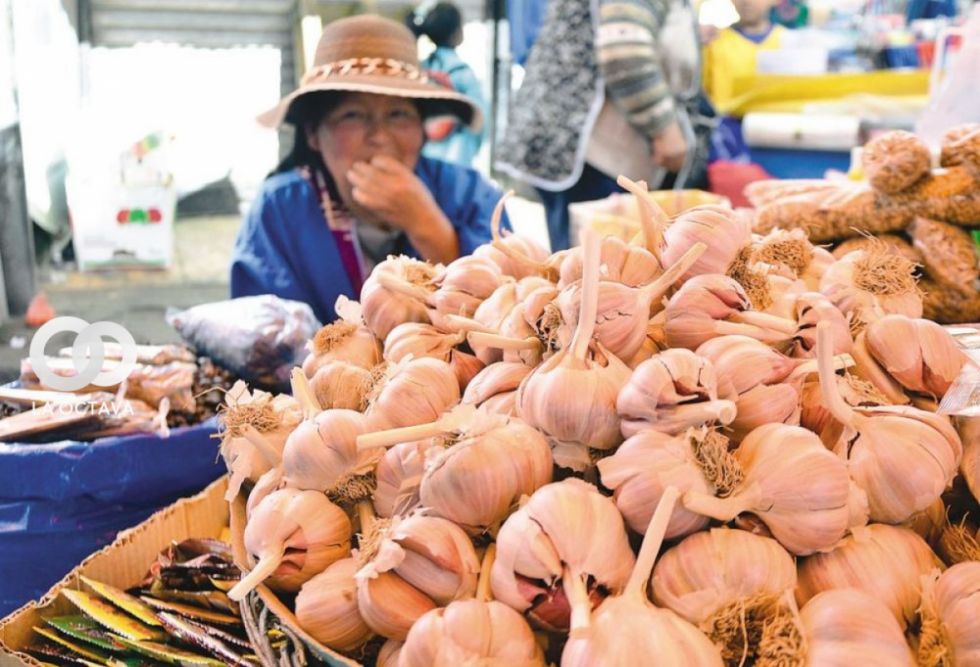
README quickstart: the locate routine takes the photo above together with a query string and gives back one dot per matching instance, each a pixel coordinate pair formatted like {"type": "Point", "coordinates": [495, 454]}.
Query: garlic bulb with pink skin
{"type": "Point", "coordinates": [326, 608]}
{"type": "Point", "coordinates": [398, 476]}
{"type": "Point", "coordinates": [815, 416]}
{"type": "Point", "coordinates": [412, 391]}
{"type": "Point", "coordinates": [919, 354]}
{"type": "Point", "coordinates": [969, 429]}
{"type": "Point", "coordinates": [425, 340]}
{"type": "Point", "coordinates": [567, 537]}
{"type": "Point", "coordinates": [800, 490]}
{"type": "Point", "coordinates": [671, 392]}
{"type": "Point", "coordinates": [476, 481]}
{"type": "Point", "coordinates": [622, 262]}
{"type": "Point", "coordinates": [811, 308]}
{"type": "Point", "coordinates": [627, 628]}
{"type": "Point", "coordinates": [495, 387]}
{"type": "Point", "coordinates": [398, 291]}
{"type": "Point", "coordinates": [479, 631]}
{"type": "Point", "coordinates": [494, 312]}
{"type": "Point", "coordinates": [571, 397]}
{"type": "Point", "coordinates": [255, 428]}
{"type": "Point", "coordinates": [466, 283]}
{"type": "Point", "coordinates": [341, 385]}
{"type": "Point", "coordinates": [345, 340]}
{"type": "Point", "coordinates": [390, 653]}
{"type": "Point", "coordinates": [869, 284]}
{"type": "Point", "coordinates": [269, 482]}
{"type": "Point", "coordinates": [290, 537]}
{"type": "Point", "coordinates": [517, 256]}
{"type": "Point", "coordinates": [885, 561]}
{"type": "Point", "coordinates": [623, 312]}
{"type": "Point", "coordinates": [903, 458]}
{"type": "Point", "coordinates": [729, 583]}
{"type": "Point", "coordinates": [950, 624]}
{"type": "Point", "coordinates": [718, 227]}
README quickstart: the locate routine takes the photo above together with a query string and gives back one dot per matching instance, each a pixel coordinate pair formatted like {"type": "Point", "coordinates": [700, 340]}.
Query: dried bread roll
{"type": "Point", "coordinates": [825, 218]}
{"type": "Point", "coordinates": [893, 242]}
{"type": "Point", "coordinates": [894, 161]}
{"type": "Point", "coordinates": [951, 195]}
{"type": "Point", "coordinates": [949, 253]}
{"type": "Point", "coordinates": [949, 306]}
{"type": "Point", "coordinates": [961, 146]}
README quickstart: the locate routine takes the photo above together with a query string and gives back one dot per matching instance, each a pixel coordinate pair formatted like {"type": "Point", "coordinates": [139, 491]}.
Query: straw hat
{"type": "Point", "coordinates": [371, 54]}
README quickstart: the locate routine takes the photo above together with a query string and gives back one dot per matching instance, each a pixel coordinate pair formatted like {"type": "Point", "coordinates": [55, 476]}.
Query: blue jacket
{"type": "Point", "coordinates": [284, 246]}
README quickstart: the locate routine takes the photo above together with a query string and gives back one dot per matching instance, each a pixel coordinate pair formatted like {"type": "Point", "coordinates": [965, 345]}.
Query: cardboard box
{"type": "Point", "coordinates": [123, 564]}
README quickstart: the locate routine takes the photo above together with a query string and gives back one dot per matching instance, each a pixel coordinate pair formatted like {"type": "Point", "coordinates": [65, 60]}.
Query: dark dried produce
{"type": "Point", "coordinates": [894, 161]}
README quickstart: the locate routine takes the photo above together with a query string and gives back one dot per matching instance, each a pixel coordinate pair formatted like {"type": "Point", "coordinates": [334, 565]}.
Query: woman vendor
{"type": "Point", "coordinates": [355, 188]}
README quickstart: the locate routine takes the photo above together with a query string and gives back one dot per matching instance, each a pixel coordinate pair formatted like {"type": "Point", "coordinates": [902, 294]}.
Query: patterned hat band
{"type": "Point", "coordinates": [388, 67]}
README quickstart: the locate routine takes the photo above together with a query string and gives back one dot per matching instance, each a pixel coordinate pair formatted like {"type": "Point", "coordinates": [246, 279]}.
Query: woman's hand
{"type": "Point", "coordinates": [670, 148]}
{"type": "Point", "coordinates": [389, 192]}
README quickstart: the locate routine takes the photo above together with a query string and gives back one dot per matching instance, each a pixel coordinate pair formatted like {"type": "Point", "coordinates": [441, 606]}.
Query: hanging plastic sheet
{"type": "Point", "coordinates": [62, 501]}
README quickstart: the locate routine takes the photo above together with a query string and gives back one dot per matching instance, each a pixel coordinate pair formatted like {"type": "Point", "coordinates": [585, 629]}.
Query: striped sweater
{"type": "Point", "coordinates": [629, 59]}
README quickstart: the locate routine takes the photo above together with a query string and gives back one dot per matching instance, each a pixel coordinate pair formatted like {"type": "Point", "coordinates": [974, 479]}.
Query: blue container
{"type": "Point", "coordinates": [786, 163]}
{"type": "Point", "coordinates": [62, 501]}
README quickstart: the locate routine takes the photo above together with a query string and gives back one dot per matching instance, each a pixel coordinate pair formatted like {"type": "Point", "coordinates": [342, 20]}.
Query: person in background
{"type": "Point", "coordinates": [733, 54]}
{"type": "Point", "coordinates": [354, 188]}
{"type": "Point", "coordinates": [605, 93]}
{"type": "Point", "coordinates": [448, 139]}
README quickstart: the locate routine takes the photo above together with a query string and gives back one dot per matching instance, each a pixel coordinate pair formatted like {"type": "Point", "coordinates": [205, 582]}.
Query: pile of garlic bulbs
{"type": "Point", "coordinates": [473, 455]}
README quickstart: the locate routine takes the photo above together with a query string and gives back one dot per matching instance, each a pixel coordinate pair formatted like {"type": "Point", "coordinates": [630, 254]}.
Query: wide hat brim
{"type": "Point", "coordinates": [457, 104]}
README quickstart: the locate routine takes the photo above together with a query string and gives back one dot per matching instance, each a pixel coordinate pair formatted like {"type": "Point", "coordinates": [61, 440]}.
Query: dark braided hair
{"type": "Point", "coordinates": [440, 24]}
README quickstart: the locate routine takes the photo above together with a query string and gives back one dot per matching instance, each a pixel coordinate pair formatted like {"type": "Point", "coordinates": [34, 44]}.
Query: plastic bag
{"type": "Point", "coordinates": [963, 396]}
{"type": "Point", "coordinates": [259, 338]}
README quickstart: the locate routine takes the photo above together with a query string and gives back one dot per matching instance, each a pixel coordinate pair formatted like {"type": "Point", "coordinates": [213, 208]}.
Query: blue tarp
{"type": "Point", "coordinates": [62, 501]}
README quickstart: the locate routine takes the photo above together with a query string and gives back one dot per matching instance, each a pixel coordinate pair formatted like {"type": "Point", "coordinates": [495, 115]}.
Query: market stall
{"type": "Point", "coordinates": [705, 438]}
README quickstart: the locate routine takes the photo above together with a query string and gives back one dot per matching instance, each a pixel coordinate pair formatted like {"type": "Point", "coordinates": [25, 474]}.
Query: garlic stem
{"type": "Point", "coordinates": [465, 324]}
{"type": "Point", "coordinates": [578, 601]}
{"type": "Point", "coordinates": [506, 249]}
{"type": "Point", "coordinates": [590, 296]}
{"type": "Point", "coordinates": [652, 541]}
{"type": "Point", "coordinates": [723, 509]}
{"type": "Point", "coordinates": [498, 212]}
{"type": "Point", "coordinates": [808, 366]}
{"type": "Point", "coordinates": [499, 342]}
{"type": "Point", "coordinates": [672, 274]}
{"type": "Point", "coordinates": [727, 328]}
{"type": "Point", "coordinates": [483, 591]}
{"type": "Point", "coordinates": [259, 441]}
{"type": "Point", "coordinates": [268, 562]}
{"type": "Point", "coordinates": [365, 514]}
{"type": "Point", "coordinates": [653, 219]}
{"type": "Point", "coordinates": [396, 436]}
{"type": "Point", "coordinates": [832, 399]}
{"type": "Point", "coordinates": [303, 393]}
{"type": "Point", "coordinates": [765, 321]}
{"type": "Point", "coordinates": [395, 284]}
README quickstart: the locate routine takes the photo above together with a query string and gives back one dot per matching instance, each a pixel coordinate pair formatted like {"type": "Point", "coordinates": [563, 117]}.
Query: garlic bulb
{"type": "Point", "coordinates": [623, 312]}
{"type": "Point", "coordinates": [921, 355]}
{"type": "Point", "coordinates": [480, 631]}
{"type": "Point", "coordinates": [346, 340]}
{"type": "Point", "coordinates": [902, 457]}
{"type": "Point", "coordinates": [517, 256]}
{"type": "Point", "coordinates": [340, 384]}
{"type": "Point", "coordinates": [389, 654]}
{"type": "Point", "coordinates": [390, 605]}
{"type": "Point", "coordinates": [424, 340]}
{"type": "Point", "coordinates": [650, 461]}
{"type": "Point", "coordinates": [269, 482]}
{"type": "Point", "coordinates": [884, 561]}
{"type": "Point", "coordinates": [800, 490]}
{"type": "Point", "coordinates": [398, 476]}
{"type": "Point", "coordinates": [621, 262]}
{"type": "Point", "coordinates": [322, 455]}
{"type": "Point", "coordinates": [869, 284]}
{"type": "Point", "coordinates": [719, 228]}
{"type": "Point", "coordinates": [950, 623]}
{"type": "Point", "coordinates": [326, 608]}
{"type": "Point", "coordinates": [291, 536]}
{"type": "Point", "coordinates": [432, 554]}
{"type": "Point", "coordinates": [671, 392]}
{"type": "Point", "coordinates": [412, 391]}
{"type": "Point", "coordinates": [398, 291]}
{"type": "Point", "coordinates": [465, 284]}
{"type": "Point", "coordinates": [785, 249]}
{"type": "Point", "coordinates": [847, 626]}
{"type": "Point", "coordinates": [494, 312]}
{"type": "Point", "coordinates": [627, 625]}
{"type": "Point", "coordinates": [728, 583]}
{"type": "Point", "coordinates": [868, 369]}
{"type": "Point", "coordinates": [567, 534]}
{"type": "Point", "coordinates": [256, 426]}
{"type": "Point", "coordinates": [970, 466]}
{"type": "Point", "coordinates": [585, 417]}
{"type": "Point", "coordinates": [495, 387]}
{"type": "Point", "coordinates": [811, 308]}
{"type": "Point", "coordinates": [815, 416]}
{"type": "Point", "coordinates": [712, 305]}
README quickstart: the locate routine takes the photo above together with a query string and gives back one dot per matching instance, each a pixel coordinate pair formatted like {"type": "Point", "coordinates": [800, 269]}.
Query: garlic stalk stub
{"type": "Point", "coordinates": [627, 629]}
{"type": "Point", "coordinates": [903, 458]}
{"type": "Point", "coordinates": [571, 397]}
{"type": "Point", "coordinates": [885, 561]}
{"type": "Point", "coordinates": [566, 535]}
{"type": "Point", "coordinates": [800, 490]}
{"type": "Point", "coordinates": [728, 583]}
{"type": "Point", "coordinates": [517, 256]}
{"type": "Point", "coordinates": [291, 536]}
{"type": "Point", "coordinates": [326, 608]}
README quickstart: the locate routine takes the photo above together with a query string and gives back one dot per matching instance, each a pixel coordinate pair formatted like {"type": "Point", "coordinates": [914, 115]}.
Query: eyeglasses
{"type": "Point", "coordinates": [361, 121]}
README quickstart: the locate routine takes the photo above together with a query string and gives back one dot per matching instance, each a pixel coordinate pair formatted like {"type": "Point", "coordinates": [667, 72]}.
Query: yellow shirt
{"type": "Point", "coordinates": [730, 61]}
